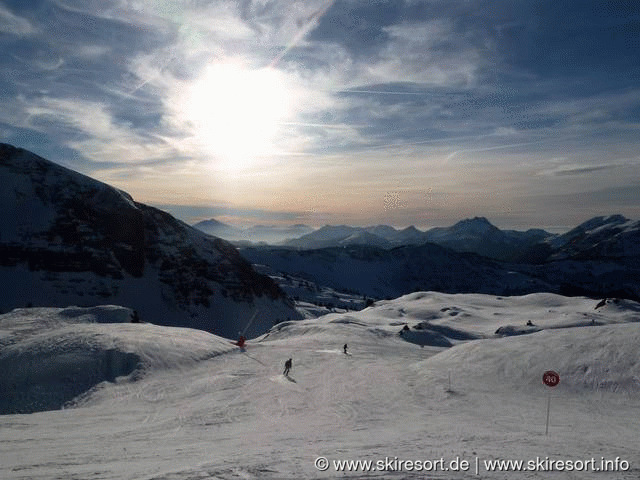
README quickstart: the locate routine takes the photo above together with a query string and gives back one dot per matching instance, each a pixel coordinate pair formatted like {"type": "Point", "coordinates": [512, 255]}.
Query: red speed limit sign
{"type": "Point", "coordinates": [550, 378]}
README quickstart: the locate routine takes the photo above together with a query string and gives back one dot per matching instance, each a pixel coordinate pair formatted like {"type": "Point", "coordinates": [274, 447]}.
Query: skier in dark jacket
{"type": "Point", "coordinates": [345, 348]}
{"type": "Point", "coordinates": [287, 367]}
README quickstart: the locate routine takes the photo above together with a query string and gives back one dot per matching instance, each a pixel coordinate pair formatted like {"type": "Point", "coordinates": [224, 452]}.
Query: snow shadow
{"type": "Point", "coordinates": [37, 381]}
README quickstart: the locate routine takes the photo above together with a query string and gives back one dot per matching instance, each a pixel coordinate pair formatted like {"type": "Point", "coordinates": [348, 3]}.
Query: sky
{"type": "Point", "coordinates": [335, 112]}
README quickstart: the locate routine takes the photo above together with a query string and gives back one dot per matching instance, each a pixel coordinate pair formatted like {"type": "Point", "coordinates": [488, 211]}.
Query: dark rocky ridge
{"type": "Point", "coordinates": [56, 221]}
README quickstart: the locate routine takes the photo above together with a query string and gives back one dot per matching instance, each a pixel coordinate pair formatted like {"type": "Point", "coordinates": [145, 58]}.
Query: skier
{"type": "Point", "coordinates": [287, 367]}
{"type": "Point", "coordinates": [241, 341]}
{"type": "Point", "coordinates": [345, 349]}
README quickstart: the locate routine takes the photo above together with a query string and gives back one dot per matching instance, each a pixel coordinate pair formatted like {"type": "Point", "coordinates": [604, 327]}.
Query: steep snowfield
{"type": "Point", "coordinates": [196, 407]}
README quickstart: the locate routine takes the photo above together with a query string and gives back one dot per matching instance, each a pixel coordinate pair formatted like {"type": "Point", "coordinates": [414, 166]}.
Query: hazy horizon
{"type": "Point", "coordinates": [327, 112]}
{"type": "Point", "coordinates": [183, 213]}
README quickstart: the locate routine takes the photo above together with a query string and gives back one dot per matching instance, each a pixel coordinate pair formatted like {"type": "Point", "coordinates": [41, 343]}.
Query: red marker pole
{"type": "Point", "coordinates": [550, 379]}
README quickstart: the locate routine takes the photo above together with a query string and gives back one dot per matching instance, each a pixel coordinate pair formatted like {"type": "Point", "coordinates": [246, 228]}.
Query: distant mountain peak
{"type": "Point", "coordinates": [212, 222]}
{"type": "Point", "coordinates": [474, 225]}
{"type": "Point", "coordinates": [476, 221]}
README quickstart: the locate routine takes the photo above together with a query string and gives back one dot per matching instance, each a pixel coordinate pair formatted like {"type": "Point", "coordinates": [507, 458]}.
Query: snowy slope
{"type": "Point", "coordinates": [201, 410]}
{"type": "Point", "coordinates": [67, 239]}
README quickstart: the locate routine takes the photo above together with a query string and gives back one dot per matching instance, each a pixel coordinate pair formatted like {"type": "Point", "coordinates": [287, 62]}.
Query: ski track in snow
{"type": "Point", "coordinates": [234, 415]}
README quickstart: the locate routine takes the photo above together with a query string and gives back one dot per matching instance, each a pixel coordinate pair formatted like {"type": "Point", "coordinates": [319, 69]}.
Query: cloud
{"type": "Point", "coordinates": [426, 53]}
{"type": "Point", "coordinates": [505, 131]}
{"type": "Point", "coordinates": [92, 51]}
{"type": "Point", "coordinates": [15, 25]}
{"type": "Point", "coordinates": [383, 96]}
{"type": "Point", "coordinates": [149, 14]}
{"type": "Point", "coordinates": [567, 170]}
{"type": "Point", "coordinates": [357, 26]}
{"type": "Point", "coordinates": [562, 167]}
{"type": "Point", "coordinates": [101, 139]}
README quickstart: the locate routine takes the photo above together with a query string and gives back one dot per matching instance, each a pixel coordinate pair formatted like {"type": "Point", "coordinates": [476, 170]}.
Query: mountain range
{"type": "Point", "coordinates": [599, 258]}
{"type": "Point", "coordinates": [597, 238]}
{"type": "Point", "coordinates": [67, 239]}
{"type": "Point", "coordinates": [476, 235]}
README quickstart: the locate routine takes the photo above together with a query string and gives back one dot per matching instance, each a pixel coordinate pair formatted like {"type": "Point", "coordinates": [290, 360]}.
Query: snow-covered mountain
{"type": "Point", "coordinates": [479, 236]}
{"type": "Point", "coordinates": [271, 234]}
{"type": "Point", "coordinates": [324, 237]}
{"type": "Point", "coordinates": [166, 403]}
{"type": "Point", "coordinates": [67, 239]}
{"type": "Point", "coordinates": [613, 236]}
{"type": "Point", "coordinates": [601, 237]}
{"type": "Point", "coordinates": [382, 236]}
{"type": "Point", "coordinates": [365, 238]}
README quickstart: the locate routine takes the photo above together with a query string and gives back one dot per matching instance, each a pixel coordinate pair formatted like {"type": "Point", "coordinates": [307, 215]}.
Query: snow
{"type": "Point", "coordinates": [194, 406]}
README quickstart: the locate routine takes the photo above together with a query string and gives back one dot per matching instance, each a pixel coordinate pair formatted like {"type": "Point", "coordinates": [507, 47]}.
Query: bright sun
{"type": "Point", "coordinates": [236, 112]}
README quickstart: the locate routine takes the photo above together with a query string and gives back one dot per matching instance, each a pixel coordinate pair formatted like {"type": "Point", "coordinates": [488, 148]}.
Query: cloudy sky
{"type": "Point", "coordinates": [316, 112]}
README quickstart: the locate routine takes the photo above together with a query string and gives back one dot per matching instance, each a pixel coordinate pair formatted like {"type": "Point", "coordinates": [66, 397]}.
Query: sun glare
{"type": "Point", "coordinates": [236, 112]}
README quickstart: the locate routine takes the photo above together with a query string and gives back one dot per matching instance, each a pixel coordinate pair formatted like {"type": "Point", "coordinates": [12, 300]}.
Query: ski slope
{"type": "Point", "coordinates": [196, 407]}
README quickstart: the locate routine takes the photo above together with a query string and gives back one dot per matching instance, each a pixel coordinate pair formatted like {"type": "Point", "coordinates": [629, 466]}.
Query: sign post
{"type": "Point", "coordinates": [550, 379]}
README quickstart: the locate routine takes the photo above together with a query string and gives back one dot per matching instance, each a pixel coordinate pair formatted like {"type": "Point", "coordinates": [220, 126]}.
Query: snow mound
{"type": "Point", "coordinates": [425, 337]}
{"type": "Point", "coordinates": [470, 316]}
{"type": "Point", "coordinates": [510, 330]}
{"type": "Point", "coordinates": [602, 358]}
{"type": "Point", "coordinates": [442, 320]}
{"type": "Point", "coordinates": [24, 322]}
{"type": "Point", "coordinates": [50, 356]}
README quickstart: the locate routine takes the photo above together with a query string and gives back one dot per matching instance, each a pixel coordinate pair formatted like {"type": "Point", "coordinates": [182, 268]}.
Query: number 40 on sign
{"type": "Point", "coordinates": [550, 378]}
